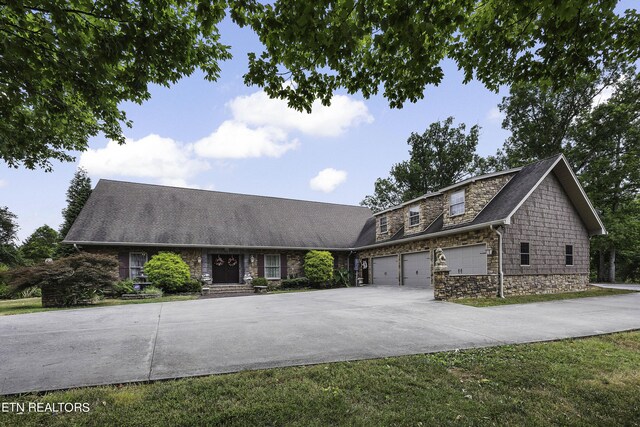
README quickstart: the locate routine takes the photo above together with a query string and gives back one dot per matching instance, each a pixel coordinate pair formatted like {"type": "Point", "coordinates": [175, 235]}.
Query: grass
{"type": "Point", "coordinates": [592, 381]}
{"type": "Point", "coordinates": [592, 291]}
{"type": "Point", "coordinates": [34, 305]}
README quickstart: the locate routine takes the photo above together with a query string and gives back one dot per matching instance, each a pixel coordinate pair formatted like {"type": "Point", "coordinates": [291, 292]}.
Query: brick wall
{"type": "Point", "coordinates": [547, 221]}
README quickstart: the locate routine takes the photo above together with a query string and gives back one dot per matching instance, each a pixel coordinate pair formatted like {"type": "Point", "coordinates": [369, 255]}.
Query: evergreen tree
{"type": "Point", "coordinates": [9, 254]}
{"type": "Point", "coordinates": [40, 245]}
{"type": "Point", "coordinates": [77, 195]}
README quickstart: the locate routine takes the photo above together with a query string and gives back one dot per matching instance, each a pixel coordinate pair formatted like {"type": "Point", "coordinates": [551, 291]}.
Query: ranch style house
{"type": "Point", "coordinates": [519, 231]}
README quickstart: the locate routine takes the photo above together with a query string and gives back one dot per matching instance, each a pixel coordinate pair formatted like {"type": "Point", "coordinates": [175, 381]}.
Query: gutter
{"type": "Point", "coordinates": [432, 235]}
{"type": "Point", "coordinates": [200, 246]}
{"type": "Point", "coordinates": [500, 272]}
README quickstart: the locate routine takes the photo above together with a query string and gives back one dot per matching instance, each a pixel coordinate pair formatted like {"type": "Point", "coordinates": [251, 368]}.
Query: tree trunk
{"type": "Point", "coordinates": [612, 265]}
{"type": "Point", "coordinates": [601, 266]}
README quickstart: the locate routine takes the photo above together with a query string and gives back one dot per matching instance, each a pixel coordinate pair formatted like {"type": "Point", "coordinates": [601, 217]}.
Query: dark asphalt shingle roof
{"type": "Point", "coordinates": [125, 212]}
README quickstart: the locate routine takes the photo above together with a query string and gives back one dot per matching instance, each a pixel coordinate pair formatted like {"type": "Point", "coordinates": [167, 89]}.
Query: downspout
{"type": "Point", "coordinates": [500, 273]}
{"type": "Point", "coordinates": [76, 247]}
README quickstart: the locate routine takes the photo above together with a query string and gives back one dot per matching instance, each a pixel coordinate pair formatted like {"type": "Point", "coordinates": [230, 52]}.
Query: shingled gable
{"type": "Point", "coordinates": [509, 199]}
{"type": "Point", "coordinates": [125, 213]}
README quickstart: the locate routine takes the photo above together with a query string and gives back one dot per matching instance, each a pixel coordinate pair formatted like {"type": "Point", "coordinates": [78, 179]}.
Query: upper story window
{"type": "Point", "coordinates": [456, 203]}
{"type": "Point", "coordinates": [524, 253]}
{"type": "Point", "coordinates": [383, 225]}
{"type": "Point", "coordinates": [568, 254]}
{"type": "Point", "coordinates": [414, 216]}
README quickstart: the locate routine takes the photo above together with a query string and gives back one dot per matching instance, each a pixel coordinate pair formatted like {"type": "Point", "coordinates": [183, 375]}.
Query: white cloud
{"type": "Point", "coordinates": [167, 161]}
{"type": "Point", "coordinates": [3, 183]}
{"type": "Point", "coordinates": [235, 140]}
{"type": "Point", "coordinates": [327, 180]}
{"type": "Point", "coordinates": [495, 115]}
{"type": "Point", "coordinates": [603, 96]}
{"type": "Point", "coordinates": [258, 109]}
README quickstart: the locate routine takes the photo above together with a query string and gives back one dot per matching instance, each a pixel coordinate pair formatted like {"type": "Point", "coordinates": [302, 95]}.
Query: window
{"type": "Point", "coordinates": [414, 216]}
{"type": "Point", "coordinates": [524, 253]}
{"type": "Point", "coordinates": [568, 254]}
{"type": "Point", "coordinates": [272, 266]}
{"type": "Point", "coordinates": [137, 260]}
{"type": "Point", "coordinates": [383, 224]}
{"type": "Point", "coordinates": [456, 203]}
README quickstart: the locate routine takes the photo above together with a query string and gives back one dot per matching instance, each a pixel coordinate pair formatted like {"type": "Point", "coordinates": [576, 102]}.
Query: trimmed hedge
{"type": "Point", "coordinates": [318, 267]}
{"type": "Point", "coordinates": [167, 271]}
{"type": "Point", "coordinates": [298, 282]}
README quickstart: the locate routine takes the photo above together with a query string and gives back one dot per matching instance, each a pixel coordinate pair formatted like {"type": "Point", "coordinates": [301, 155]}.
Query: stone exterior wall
{"type": "Point", "coordinates": [545, 284]}
{"type": "Point", "coordinates": [547, 221]}
{"type": "Point", "coordinates": [430, 209]}
{"type": "Point", "coordinates": [486, 236]}
{"type": "Point", "coordinates": [395, 220]}
{"type": "Point", "coordinates": [446, 287]}
{"type": "Point", "coordinates": [477, 195]}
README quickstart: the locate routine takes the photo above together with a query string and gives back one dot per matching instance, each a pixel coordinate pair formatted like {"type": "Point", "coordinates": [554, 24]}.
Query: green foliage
{"type": "Point", "coordinates": [399, 47]}
{"type": "Point", "coordinates": [295, 283]}
{"type": "Point", "coordinates": [318, 267]}
{"type": "Point", "coordinates": [342, 278]}
{"type": "Point", "coordinates": [40, 245]}
{"type": "Point", "coordinates": [441, 156]}
{"type": "Point", "coordinates": [9, 253]}
{"type": "Point", "coordinates": [122, 287]}
{"type": "Point", "coordinates": [192, 286]}
{"type": "Point", "coordinates": [167, 271]}
{"type": "Point", "coordinates": [77, 279]}
{"type": "Point", "coordinates": [77, 195]}
{"type": "Point", "coordinates": [68, 65]}
{"type": "Point", "coordinates": [152, 290]}
{"type": "Point", "coordinates": [260, 281]}
{"type": "Point", "coordinates": [5, 291]}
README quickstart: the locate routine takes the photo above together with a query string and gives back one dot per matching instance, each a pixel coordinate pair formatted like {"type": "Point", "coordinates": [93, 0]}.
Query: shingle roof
{"type": "Point", "coordinates": [125, 212]}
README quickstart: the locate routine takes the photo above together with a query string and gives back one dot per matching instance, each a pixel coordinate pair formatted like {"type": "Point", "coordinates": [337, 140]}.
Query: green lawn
{"type": "Point", "coordinates": [587, 382]}
{"type": "Point", "coordinates": [592, 291]}
{"type": "Point", "coordinates": [34, 305]}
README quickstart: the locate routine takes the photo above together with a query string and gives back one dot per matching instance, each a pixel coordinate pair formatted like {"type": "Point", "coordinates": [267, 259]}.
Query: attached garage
{"type": "Point", "coordinates": [467, 260]}
{"type": "Point", "coordinates": [416, 270]}
{"type": "Point", "coordinates": [385, 271]}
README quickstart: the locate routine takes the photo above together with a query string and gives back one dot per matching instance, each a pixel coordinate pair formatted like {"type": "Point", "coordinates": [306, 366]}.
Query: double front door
{"type": "Point", "coordinates": [225, 268]}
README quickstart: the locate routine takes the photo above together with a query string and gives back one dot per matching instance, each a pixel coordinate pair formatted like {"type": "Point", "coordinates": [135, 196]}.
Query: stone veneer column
{"type": "Point", "coordinates": [440, 289]}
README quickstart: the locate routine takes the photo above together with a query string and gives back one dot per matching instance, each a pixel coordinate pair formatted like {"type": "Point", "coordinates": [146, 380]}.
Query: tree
{"type": "Point", "coordinates": [540, 117]}
{"type": "Point", "coordinates": [441, 156]}
{"type": "Point", "coordinates": [75, 280]}
{"type": "Point", "coordinates": [167, 271]}
{"type": "Point", "coordinates": [318, 267]}
{"type": "Point", "coordinates": [67, 65]}
{"type": "Point", "coordinates": [9, 254]}
{"type": "Point", "coordinates": [605, 147]}
{"type": "Point", "coordinates": [77, 195]}
{"type": "Point", "coordinates": [40, 245]}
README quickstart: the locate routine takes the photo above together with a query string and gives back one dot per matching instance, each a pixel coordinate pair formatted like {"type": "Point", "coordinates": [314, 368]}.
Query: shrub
{"type": "Point", "coordinates": [260, 281]}
{"type": "Point", "coordinates": [120, 288]}
{"type": "Point", "coordinates": [318, 267]}
{"type": "Point", "coordinates": [75, 280]}
{"type": "Point", "coordinates": [295, 283]}
{"type": "Point", "coordinates": [193, 286]}
{"type": "Point", "coordinates": [152, 290]}
{"type": "Point", "coordinates": [342, 278]}
{"type": "Point", "coordinates": [167, 271]}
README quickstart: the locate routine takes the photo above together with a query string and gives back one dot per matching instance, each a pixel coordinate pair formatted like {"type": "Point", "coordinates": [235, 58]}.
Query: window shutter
{"type": "Point", "coordinates": [260, 265]}
{"type": "Point", "coordinates": [283, 266]}
{"type": "Point", "coordinates": [123, 261]}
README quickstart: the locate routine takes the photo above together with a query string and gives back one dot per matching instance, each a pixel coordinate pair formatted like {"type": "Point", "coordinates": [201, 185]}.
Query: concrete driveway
{"type": "Point", "coordinates": [53, 350]}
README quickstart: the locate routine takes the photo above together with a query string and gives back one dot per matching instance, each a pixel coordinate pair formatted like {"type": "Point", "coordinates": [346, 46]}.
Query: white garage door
{"type": "Point", "coordinates": [416, 270]}
{"type": "Point", "coordinates": [467, 260]}
{"type": "Point", "coordinates": [385, 270]}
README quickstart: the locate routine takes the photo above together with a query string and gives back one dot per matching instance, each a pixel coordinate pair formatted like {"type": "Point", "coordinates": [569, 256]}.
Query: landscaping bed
{"type": "Point", "coordinates": [592, 291]}
{"type": "Point", "coordinates": [591, 381]}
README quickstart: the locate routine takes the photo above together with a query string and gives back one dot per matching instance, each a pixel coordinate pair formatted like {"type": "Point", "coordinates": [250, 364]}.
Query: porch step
{"type": "Point", "coordinates": [230, 289]}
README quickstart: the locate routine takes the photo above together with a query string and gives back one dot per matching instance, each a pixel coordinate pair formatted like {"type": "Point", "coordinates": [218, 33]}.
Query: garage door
{"type": "Point", "coordinates": [467, 260]}
{"type": "Point", "coordinates": [385, 270]}
{"type": "Point", "coordinates": [416, 270]}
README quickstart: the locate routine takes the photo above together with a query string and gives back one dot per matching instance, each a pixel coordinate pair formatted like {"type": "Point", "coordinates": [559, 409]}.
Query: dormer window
{"type": "Point", "coordinates": [414, 216]}
{"type": "Point", "coordinates": [383, 224]}
{"type": "Point", "coordinates": [456, 203]}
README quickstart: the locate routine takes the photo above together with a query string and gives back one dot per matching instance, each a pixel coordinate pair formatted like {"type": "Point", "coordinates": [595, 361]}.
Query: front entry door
{"type": "Point", "coordinates": [226, 268]}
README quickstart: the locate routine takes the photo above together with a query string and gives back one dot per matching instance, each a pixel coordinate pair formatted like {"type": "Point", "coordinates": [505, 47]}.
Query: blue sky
{"type": "Point", "coordinates": [229, 137]}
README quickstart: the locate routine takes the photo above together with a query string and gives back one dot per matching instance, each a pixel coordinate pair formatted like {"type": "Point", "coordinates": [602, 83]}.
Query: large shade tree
{"type": "Point", "coordinates": [66, 66]}
{"type": "Point", "coordinates": [9, 254]}
{"type": "Point", "coordinates": [40, 245]}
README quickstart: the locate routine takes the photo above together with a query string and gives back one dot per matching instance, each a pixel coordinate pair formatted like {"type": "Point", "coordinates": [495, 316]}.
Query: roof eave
{"type": "Point", "coordinates": [202, 246]}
